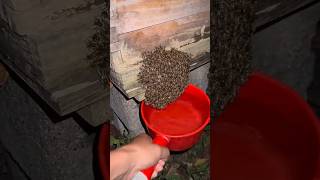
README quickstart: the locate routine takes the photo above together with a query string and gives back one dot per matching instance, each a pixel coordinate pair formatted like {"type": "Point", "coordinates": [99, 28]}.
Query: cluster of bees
{"type": "Point", "coordinates": [98, 47]}
{"type": "Point", "coordinates": [164, 74]}
{"type": "Point", "coordinates": [232, 29]}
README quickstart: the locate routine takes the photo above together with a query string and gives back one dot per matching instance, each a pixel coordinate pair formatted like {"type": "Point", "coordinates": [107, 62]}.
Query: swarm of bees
{"type": "Point", "coordinates": [98, 47]}
{"type": "Point", "coordinates": [232, 29]}
{"type": "Point", "coordinates": [164, 74]}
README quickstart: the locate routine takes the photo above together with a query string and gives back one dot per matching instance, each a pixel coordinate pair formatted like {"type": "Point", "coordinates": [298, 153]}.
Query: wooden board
{"type": "Point", "coordinates": [272, 10]}
{"type": "Point", "coordinates": [142, 25]}
{"type": "Point", "coordinates": [44, 42]}
{"type": "Point", "coordinates": [97, 113]}
{"type": "Point", "coordinates": [137, 14]}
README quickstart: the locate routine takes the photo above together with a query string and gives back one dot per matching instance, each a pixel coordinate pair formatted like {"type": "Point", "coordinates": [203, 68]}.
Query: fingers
{"type": "Point", "coordinates": [154, 175]}
{"type": "Point", "coordinates": [161, 162]}
{"type": "Point", "coordinates": [158, 168]}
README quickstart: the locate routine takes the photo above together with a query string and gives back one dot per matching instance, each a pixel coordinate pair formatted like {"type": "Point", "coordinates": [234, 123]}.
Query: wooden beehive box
{"type": "Point", "coordinates": [140, 25]}
{"type": "Point", "coordinates": [44, 42]}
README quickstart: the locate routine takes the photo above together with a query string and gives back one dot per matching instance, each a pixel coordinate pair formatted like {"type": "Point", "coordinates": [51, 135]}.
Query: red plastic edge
{"type": "Point", "coordinates": [162, 141]}
{"type": "Point", "coordinates": [103, 154]}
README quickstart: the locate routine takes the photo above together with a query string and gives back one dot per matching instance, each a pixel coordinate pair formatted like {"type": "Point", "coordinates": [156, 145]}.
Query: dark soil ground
{"type": "Point", "coordinates": [4, 168]}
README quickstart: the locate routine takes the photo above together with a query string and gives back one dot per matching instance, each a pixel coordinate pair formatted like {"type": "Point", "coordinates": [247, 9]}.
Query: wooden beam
{"type": "Point", "coordinates": [137, 14]}
{"type": "Point", "coordinates": [269, 11]}
{"type": "Point", "coordinates": [97, 113]}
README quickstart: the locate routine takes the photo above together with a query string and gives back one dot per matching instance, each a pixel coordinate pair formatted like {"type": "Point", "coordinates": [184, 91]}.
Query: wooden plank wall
{"type": "Point", "coordinates": [140, 25]}
{"type": "Point", "coordinates": [46, 45]}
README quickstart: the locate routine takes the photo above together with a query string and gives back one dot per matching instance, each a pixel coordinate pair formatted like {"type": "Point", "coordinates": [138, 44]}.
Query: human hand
{"type": "Point", "coordinates": [147, 154]}
{"type": "Point", "coordinates": [140, 154]}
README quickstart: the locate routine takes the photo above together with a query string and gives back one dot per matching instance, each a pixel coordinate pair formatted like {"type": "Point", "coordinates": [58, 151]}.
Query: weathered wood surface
{"type": "Point", "coordinates": [141, 25]}
{"type": "Point", "coordinates": [97, 113]}
{"type": "Point", "coordinates": [44, 42]}
{"type": "Point", "coordinates": [137, 14]}
{"type": "Point", "coordinates": [271, 10]}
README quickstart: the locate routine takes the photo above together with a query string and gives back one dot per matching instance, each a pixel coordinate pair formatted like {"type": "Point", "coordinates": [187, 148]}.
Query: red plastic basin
{"type": "Point", "coordinates": [267, 133]}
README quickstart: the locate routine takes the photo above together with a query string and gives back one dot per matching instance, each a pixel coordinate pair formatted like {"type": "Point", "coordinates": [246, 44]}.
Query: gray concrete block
{"type": "Point", "coordinates": [126, 111]}
{"type": "Point", "coordinates": [199, 76]}
{"type": "Point", "coordinates": [118, 123]}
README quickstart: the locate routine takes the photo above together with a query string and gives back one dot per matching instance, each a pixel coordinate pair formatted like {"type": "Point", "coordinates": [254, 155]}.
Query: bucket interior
{"type": "Point", "coordinates": [185, 116]}
{"type": "Point", "coordinates": [268, 132]}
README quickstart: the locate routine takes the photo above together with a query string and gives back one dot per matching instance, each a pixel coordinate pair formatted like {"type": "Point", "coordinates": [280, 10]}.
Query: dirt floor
{"type": "Point", "coordinates": [5, 173]}
{"type": "Point", "coordinates": [192, 164]}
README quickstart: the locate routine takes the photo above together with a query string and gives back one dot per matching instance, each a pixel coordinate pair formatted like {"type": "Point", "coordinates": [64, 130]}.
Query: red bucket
{"type": "Point", "coordinates": [182, 121]}
{"type": "Point", "coordinates": [267, 133]}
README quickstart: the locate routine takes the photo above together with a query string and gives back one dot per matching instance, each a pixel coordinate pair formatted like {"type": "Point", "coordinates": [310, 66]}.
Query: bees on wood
{"type": "Point", "coordinates": [231, 59]}
{"type": "Point", "coordinates": [98, 48]}
{"type": "Point", "coordinates": [164, 74]}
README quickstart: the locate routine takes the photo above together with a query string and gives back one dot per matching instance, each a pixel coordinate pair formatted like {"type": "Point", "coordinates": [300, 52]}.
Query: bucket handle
{"type": "Point", "coordinates": [147, 173]}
